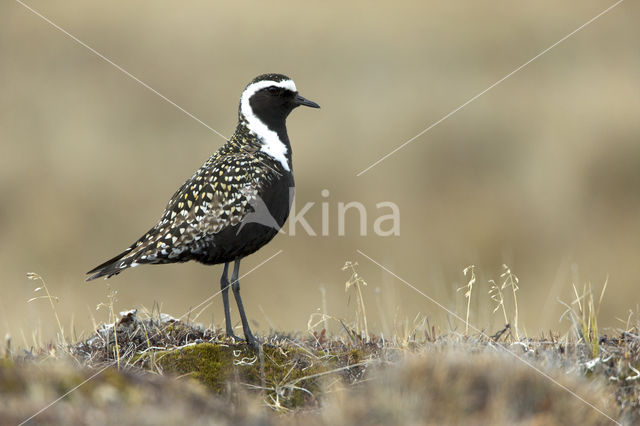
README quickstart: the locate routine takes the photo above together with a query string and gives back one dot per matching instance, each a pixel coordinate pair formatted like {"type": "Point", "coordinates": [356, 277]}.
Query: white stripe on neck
{"type": "Point", "coordinates": [271, 143]}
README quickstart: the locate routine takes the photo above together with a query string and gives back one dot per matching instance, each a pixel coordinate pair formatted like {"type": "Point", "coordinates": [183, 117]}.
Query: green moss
{"type": "Point", "coordinates": [355, 355]}
{"type": "Point", "coordinates": [206, 362]}
{"type": "Point", "coordinates": [286, 375]}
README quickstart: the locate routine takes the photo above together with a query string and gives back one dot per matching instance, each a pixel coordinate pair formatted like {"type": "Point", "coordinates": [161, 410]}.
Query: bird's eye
{"type": "Point", "coordinates": [273, 90]}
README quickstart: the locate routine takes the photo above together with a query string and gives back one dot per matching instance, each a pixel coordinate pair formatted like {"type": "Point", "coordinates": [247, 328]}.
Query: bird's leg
{"type": "Point", "coordinates": [235, 286]}
{"type": "Point", "coordinates": [224, 287]}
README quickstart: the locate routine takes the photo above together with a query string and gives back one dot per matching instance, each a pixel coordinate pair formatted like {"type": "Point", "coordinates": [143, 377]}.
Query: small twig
{"type": "Point", "coordinates": [36, 277]}
{"type": "Point", "coordinates": [356, 281]}
{"type": "Point", "coordinates": [472, 279]}
{"type": "Point", "coordinates": [499, 333]}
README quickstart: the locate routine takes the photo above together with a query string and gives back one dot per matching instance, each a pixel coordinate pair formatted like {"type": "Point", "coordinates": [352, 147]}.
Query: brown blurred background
{"type": "Point", "coordinates": [541, 173]}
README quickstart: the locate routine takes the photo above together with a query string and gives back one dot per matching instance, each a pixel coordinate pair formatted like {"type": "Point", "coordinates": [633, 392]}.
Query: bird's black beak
{"type": "Point", "coordinates": [299, 100]}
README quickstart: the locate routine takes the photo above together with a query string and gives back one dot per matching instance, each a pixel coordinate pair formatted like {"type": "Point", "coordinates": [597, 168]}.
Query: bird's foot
{"type": "Point", "coordinates": [234, 337]}
{"type": "Point", "coordinates": [254, 343]}
{"type": "Point", "coordinates": [250, 339]}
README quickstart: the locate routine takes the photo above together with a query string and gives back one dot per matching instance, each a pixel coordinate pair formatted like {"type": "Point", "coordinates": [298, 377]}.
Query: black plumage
{"type": "Point", "coordinates": [211, 218]}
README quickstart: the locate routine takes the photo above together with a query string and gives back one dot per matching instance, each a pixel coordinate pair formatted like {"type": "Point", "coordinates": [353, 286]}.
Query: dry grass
{"type": "Point", "coordinates": [449, 378]}
{"type": "Point", "coordinates": [150, 367]}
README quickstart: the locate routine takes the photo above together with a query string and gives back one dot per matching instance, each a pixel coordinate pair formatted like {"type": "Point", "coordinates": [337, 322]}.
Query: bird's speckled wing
{"type": "Point", "coordinates": [220, 194]}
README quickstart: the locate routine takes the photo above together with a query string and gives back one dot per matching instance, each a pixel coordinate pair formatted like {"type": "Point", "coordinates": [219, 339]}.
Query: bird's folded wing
{"type": "Point", "coordinates": [220, 194]}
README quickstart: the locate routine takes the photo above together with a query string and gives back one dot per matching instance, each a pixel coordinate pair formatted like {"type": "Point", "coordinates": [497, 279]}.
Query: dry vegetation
{"type": "Point", "coordinates": [148, 367]}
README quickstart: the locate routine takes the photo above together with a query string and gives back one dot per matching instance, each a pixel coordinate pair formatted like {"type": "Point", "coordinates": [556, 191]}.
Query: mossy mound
{"type": "Point", "coordinates": [288, 377]}
{"type": "Point", "coordinates": [287, 372]}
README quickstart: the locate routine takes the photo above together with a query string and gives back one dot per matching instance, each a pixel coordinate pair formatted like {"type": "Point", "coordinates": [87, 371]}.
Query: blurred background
{"type": "Point", "coordinates": [541, 173]}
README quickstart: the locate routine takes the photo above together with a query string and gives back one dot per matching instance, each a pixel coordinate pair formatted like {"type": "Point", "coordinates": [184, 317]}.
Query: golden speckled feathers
{"type": "Point", "coordinates": [218, 195]}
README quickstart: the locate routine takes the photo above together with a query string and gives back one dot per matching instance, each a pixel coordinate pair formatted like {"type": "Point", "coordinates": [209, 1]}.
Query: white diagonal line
{"type": "Point", "coordinates": [527, 363]}
{"type": "Point", "coordinates": [127, 73]}
{"type": "Point", "coordinates": [67, 393]}
{"type": "Point", "coordinates": [434, 124]}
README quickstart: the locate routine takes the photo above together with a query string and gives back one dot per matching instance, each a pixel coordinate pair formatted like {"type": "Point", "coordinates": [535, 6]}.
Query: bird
{"type": "Point", "coordinates": [211, 218]}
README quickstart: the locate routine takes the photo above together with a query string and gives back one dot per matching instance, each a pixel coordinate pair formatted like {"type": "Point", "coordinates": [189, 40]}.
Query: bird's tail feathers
{"type": "Point", "coordinates": [144, 250]}
{"type": "Point", "coordinates": [112, 266]}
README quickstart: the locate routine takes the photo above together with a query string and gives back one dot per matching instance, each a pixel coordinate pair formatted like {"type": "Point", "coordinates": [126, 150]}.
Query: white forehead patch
{"type": "Point", "coordinates": [272, 145]}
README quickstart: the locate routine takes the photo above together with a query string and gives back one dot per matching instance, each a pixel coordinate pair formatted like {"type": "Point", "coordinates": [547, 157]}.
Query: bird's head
{"type": "Point", "coordinates": [269, 99]}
